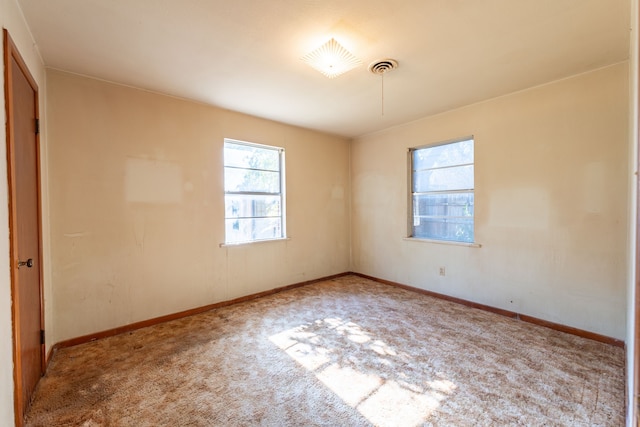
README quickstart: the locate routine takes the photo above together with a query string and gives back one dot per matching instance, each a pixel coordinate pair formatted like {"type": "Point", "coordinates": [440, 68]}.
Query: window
{"type": "Point", "coordinates": [253, 192]}
{"type": "Point", "coordinates": [442, 191]}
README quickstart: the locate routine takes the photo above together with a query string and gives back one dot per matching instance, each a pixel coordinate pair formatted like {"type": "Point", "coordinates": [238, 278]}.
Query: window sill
{"type": "Point", "coordinates": [442, 242]}
{"type": "Point", "coordinates": [253, 242]}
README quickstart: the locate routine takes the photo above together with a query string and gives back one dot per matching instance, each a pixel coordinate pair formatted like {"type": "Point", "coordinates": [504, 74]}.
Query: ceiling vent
{"type": "Point", "coordinates": [383, 66]}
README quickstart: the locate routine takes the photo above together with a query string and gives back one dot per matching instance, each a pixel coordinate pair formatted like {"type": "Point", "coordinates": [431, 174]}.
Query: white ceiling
{"type": "Point", "coordinates": [244, 55]}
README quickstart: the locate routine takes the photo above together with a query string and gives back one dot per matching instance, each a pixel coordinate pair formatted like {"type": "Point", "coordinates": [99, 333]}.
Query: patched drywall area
{"type": "Point", "coordinates": [138, 206]}
{"type": "Point", "coordinates": [551, 210]}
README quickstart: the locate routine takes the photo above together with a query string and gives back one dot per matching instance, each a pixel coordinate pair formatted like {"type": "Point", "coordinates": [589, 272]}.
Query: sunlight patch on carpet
{"type": "Point", "coordinates": [365, 372]}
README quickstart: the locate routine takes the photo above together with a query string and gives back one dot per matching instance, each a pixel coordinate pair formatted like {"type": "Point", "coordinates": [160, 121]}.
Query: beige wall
{"type": "Point", "coordinates": [551, 203]}
{"type": "Point", "coordinates": [11, 19]}
{"type": "Point", "coordinates": [137, 212]}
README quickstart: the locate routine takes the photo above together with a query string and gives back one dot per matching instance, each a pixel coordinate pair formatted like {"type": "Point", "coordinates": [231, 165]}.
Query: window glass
{"type": "Point", "coordinates": [442, 198]}
{"type": "Point", "coordinates": [254, 192]}
{"type": "Point", "coordinates": [439, 156]}
{"type": "Point", "coordinates": [449, 178]}
{"type": "Point", "coordinates": [253, 157]}
{"type": "Point", "coordinates": [251, 180]}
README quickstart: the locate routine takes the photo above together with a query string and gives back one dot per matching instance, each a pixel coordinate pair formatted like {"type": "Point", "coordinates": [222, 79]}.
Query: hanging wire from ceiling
{"type": "Point", "coordinates": [381, 67]}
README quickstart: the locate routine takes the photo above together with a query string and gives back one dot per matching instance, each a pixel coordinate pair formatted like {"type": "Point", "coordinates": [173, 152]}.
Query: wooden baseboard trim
{"type": "Point", "coordinates": [156, 320]}
{"type": "Point", "coordinates": [573, 331]}
{"type": "Point", "coordinates": [507, 313]}
{"type": "Point", "coordinates": [511, 314]}
{"type": "Point", "coordinates": [472, 304]}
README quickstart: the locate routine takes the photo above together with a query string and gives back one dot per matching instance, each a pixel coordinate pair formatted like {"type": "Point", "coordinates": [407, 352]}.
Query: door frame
{"type": "Point", "coordinates": [11, 53]}
{"type": "Point", "coordinates": [634, 412]}
{"type": "Point", "coordinates": [636, 303]}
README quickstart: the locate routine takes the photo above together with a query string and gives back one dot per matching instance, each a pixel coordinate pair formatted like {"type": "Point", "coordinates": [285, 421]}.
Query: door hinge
{"type": "Point", "coordinates": [37, 126]}
{"type": "Point", "coordinates": [41, 336]}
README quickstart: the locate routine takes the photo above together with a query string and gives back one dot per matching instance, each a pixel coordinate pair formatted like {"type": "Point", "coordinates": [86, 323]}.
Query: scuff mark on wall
{"type": "Point", "coordinates": [74, 235]}
{"type": "Point", "coordinates": [139, 225]}
{"type": "Point", "coordinates": [112, 289]}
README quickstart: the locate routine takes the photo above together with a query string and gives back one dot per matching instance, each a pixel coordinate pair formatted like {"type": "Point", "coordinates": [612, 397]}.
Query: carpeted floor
{"type": "Point", "coordinates": [345, 352]}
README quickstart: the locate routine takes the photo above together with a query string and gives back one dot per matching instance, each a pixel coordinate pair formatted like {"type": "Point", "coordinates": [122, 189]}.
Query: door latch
{"type": "Point", "coordinates": [28, 263]}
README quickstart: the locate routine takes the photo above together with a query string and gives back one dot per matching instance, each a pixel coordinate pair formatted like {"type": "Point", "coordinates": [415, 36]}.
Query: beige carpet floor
{"type": "Point", "coordinates": [344, 352]}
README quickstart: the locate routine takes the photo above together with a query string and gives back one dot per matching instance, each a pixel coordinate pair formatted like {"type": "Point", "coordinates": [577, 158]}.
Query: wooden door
{"type": "Point", "coordinates": [21, 98]}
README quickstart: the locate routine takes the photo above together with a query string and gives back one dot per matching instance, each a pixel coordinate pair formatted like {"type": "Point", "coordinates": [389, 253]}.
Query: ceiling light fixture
{"type": "Point", "coordinates": [331, 59]}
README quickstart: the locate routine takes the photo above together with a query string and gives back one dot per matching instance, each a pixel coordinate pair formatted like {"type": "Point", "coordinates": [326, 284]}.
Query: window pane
{"type": "Point", "coordinates": [251, 180]}
{"type": "Point", "coordinates": [245, 230]}
{"type": "Point", "coordinates": [242, 206]}
{"type": "Point", "coordinates": [452, 178]}
{"type": "Point", "coordinates": [456, 153]}
{"type": "Point", "coordinates": [458, 229]}
{"type": "Point", "coordinates": [254, 192]}
{"type": "Point", "coordinates": [246, 156]}
{"type": "Point", "coordinates": [428, 206]}
{"type": "Point", "coordinates": [442, 182]}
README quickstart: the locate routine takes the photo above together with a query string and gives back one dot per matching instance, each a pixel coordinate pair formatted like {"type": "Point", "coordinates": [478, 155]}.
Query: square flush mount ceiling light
{"type": "Point", "coordinates": [331, 59]}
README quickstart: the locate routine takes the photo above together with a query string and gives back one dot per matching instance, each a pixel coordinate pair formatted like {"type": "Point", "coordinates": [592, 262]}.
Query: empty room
{"type": "Point", "coordinates": [304, 212]}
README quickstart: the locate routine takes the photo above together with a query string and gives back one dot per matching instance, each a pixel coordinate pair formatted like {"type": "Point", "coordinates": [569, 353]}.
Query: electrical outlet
{"type": "Point", "coordinates": [442, 271]}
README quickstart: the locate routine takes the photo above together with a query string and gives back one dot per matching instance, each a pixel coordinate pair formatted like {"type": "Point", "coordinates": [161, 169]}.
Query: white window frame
{"type": "Point", "coordinates": [411, 194]}
{"type": "Point", "coordinates": [281, 194]}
